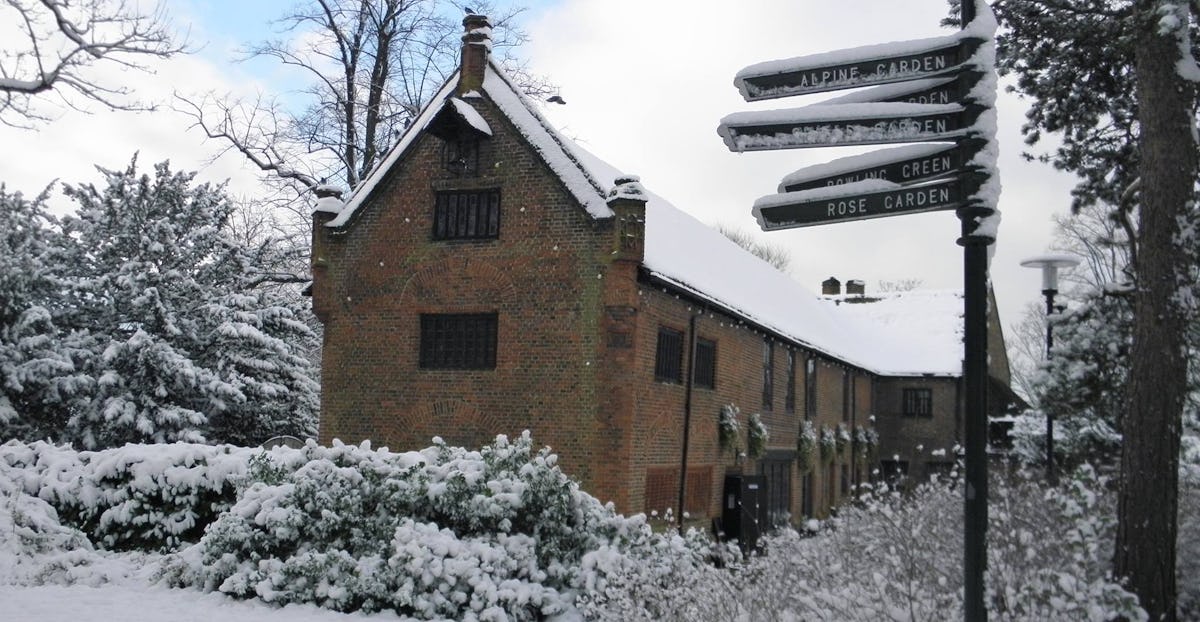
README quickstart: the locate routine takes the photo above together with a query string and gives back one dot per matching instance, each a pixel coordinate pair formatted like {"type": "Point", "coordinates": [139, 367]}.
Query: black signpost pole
{"type": "Point", "coordinates": [975, 506]}
{"type": "Point", "coordinates": [895, 182]}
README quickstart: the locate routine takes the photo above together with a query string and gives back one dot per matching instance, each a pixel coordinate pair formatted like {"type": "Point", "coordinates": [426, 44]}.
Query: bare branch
{"type": "Point", "coordinates": [60, 45]}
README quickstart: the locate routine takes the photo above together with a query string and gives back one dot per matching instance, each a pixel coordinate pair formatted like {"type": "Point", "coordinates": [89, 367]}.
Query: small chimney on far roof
{"type": "Point", "coordinates": [856, 287]}
{"type": "Point", "coordinates": [477, 44]}
{"type": "Point", "coordinates": [831, 287]}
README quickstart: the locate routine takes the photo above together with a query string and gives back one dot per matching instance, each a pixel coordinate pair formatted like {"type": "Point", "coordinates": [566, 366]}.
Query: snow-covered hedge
{"type": "Point", "coordinates": [136, 497]}
{"type": "Point", "coordinates": [441, 533]}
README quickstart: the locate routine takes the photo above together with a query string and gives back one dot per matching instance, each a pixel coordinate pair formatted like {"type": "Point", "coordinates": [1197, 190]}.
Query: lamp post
{"type": "Point", "coordinates": [1050, 265]}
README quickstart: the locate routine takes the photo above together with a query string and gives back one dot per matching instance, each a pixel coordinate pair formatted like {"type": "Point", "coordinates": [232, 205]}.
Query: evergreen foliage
{"type": "Point", "coordinates": [757, 436]}
{"type": "Point", "coordinates": [140, 319]}
{"type": "Point", "coordinates": [1084, 384]}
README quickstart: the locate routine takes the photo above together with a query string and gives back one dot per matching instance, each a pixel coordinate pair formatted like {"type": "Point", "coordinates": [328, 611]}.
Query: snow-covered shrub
{"type": "Point", "coordinates": [894, 556]}
{"type": "Point", "coordinates": [658, 576]}
{"type": "Point", "coordinates": [35, 547]}
{"type": "Point", "coordinates": [828, 445]}
{"type": "Point", "coordinates": [136, 497]}
{"type": "Point", "coordinates": [1187, 554]}
{"type": "Point", "coordinates": [1050, 550]}
{"type": "Point", "coordinates": [756, 436]}
{"type": "Point", "coordinates": [727, 427]}
{"type": "Point", "coordinates": [866, 444]}
{"type": "Point", "coordinates": [842, 440]}
{"type": "Point", "coordinates": [806, 447]}
{"type": "Point", "coordinates": [440, 533]}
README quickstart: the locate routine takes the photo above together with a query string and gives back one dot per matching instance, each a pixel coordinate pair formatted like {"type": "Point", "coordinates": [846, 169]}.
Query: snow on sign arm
{"type": "Point", "coordinates": [847, 124]}
{"type": "Point", "coordinates": [873, 198]}
{"type": "Point", "coordinates": [862, 66]}
{"type": "Point", "coordinates": [908, 164]}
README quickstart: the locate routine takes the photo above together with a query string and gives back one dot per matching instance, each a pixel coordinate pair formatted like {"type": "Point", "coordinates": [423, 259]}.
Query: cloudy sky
{"type": "Point", "coordinates": [646, 84]}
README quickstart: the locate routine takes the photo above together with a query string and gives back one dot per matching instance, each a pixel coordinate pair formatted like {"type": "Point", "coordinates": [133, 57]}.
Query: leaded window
{"type": "Point", "coordinates": [467, 215]}
{"type": "Point", "coordinates": [668, 360]}
{"type": "Point", "coordinates": [458, 341]}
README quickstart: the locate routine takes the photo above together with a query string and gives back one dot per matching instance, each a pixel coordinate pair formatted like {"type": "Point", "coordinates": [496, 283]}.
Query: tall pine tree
{"type": "Point", "coordinates": [1114, 79]}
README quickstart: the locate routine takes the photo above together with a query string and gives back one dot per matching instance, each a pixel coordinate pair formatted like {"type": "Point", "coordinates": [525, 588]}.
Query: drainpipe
{"type": "Point", "coordinates": [687, 416]}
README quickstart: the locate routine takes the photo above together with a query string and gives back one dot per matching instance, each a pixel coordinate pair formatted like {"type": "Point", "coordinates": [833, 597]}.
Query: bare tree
{"type": "Point", "coordinates": [54, 47]}
{"type": "Point", "coordinates": [1026, 341]}
{"type": "Point", "coordinates": [1098, 234]}
{"type": "Point", "coordinates": [372, 65]}
{"type": "Point", "coordinates": [774, 254]}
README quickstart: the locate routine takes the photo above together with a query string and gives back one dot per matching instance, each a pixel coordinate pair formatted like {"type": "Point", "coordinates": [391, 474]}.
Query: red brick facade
{"type": "Point", "coordinates": [578, 321]}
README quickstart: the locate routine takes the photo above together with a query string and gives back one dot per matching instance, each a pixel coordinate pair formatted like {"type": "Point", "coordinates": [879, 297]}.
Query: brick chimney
{"type": "Point", "coordinates": [328, 205]}
{"type": "Point", "coordinates": [627, 199]}
{"type": "Point", "coordinates": [831, 287]}
{"type": "Point", "coordinates": [477, 44]}
{"type": "Point", "coordinates": [856, 287]}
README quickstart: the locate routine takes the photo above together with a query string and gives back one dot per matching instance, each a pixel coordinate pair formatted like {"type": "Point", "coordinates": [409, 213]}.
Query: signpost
{"type": "Point", "coordinates": [902, 165]}
{"type": "Point", "coordinates": [925, 91]}
{"type": "Point", "coordinates": [807, 208]}
{"type": "Point", "coordinates": [873, 65]}
{"type": "Point", "coordinates": [847, 124]}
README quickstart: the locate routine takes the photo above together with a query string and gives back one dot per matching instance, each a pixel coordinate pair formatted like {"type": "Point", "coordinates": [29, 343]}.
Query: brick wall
{"type": "Point", "coordinates": [577, 336]}
{"type": "Point", "coordinates": [917, 440]}
{"type": "Point", "coordinates": [544, 277]}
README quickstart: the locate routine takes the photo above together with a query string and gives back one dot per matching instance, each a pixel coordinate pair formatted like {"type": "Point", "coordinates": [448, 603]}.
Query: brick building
{"type": "Point", "coordinates": [490, 276]}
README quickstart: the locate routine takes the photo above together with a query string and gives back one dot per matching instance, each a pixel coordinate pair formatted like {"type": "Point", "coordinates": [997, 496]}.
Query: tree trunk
{"type": "Point", "coordinates": [1148, 504]}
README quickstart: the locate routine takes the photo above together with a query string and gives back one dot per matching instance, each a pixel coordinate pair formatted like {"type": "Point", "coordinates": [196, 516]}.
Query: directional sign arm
{"type": "Point", "coordinates": [849, 124]}
{"type": "Point", "coordinates": [902, 165]}
{"type": "Point", "coordinates": [861, 201]}
{"type": "Point", "coordinates": [864, 66]}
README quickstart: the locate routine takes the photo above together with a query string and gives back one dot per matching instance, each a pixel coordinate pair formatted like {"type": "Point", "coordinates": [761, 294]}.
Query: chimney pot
{"type": "Point", "coordinates": [856, 287]}
{"type": "Point", "coordinates": [831, 287]}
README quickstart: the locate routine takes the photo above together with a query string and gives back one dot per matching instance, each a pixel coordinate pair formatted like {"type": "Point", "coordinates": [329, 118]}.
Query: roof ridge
{"type": "Point", "coordinates": [552, 131]}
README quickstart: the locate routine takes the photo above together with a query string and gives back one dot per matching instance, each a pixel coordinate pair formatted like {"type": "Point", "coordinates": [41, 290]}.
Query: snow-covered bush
{"type": "Point", "coordinates": [1187, 553]}
{"type": "Point", "coordinates": [727, 427]}
{"type": "Point", "coordinates": [136, 497]}
{"type": "Point", "coordinates": [756, 436]}
{"type": "Point", "coordinates": [842, 440]}
{"type": "Point", "coordinates": [35, 547]}
{"type": "Point", "coordinates": [440, 533]}
{"type": "Point", "coordinates": [828, 445]}
{"type": "Point", "coordinates": [653, 576]}
{"type": "Point", "coordinates": [806, 447]}
{"type": "Point", "coordinates": [893, 556]}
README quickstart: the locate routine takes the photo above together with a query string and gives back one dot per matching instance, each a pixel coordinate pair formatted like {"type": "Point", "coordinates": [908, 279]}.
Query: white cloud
{"type": "Point", "coordinates": [647, 82]}
{"type": "Point", "coordinates": [70, 146]}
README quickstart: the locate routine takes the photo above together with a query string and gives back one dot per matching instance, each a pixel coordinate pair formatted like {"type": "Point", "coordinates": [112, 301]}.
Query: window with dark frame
{"type": "Point", "coordinates": [706, 364]}
{"type": "Point", "coordinates": [668, 359]}
{"type": "Point", "coordinates": [810, 388]}
{"type": "Point", "coordinates": [467, 215]}
{"type": "Point", "coordinates": [768, 375]}
{"type": "Point", "coordinates": [789, 398]}
{"type": "Point", "coordinates": [458, 341]}
{"type": "Point", "coordinates": [918, 402]}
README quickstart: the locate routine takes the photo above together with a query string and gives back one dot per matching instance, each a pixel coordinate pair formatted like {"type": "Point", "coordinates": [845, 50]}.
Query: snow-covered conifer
{"type": "Point", "coordinates": [183, 345]}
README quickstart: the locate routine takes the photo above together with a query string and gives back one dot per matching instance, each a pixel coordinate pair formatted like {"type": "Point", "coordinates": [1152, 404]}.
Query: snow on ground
{"type": "Point", "coordinates": [144, 603]}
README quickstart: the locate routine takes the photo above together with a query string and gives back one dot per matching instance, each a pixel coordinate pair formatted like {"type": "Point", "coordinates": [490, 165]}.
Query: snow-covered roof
{"type": "Point", "coordinates": [558, 153]}
{"type": "Point", "coordinates": [692, 257]}
{"type": "Point", "coordinates": [927, 325]}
